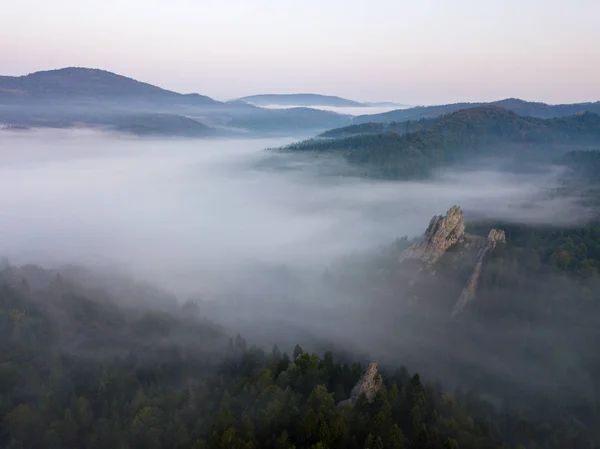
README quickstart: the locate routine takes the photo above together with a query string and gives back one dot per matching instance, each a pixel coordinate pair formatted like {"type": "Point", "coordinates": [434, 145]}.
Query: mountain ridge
{"type": "Point", "coordinates": [520, 107]}
{"type": "Point", "coordinates": [78, 96]}
{"type": "Point", "coordinates": [301, 99]}
{"type": "Point", "coordinates": [88, 82]}
{"type": "Point", "coordinates": [452, 138]}
{"type": "Point", "coordinates": [73, 96]}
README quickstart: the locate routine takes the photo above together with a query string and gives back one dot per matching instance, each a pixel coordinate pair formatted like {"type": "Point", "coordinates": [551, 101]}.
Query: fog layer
{"type": "Point", "coordinates": [188, 213]}
{"type": "Point", "coordinates": [349, 110]}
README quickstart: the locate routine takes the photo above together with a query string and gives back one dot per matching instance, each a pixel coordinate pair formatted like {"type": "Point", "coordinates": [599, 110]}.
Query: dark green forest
{"type": "Point", "coordinates": [413, 149]}
{"type": "Point", "coordinates": [78, 372]}
{"type": "Point", "coordinates": [516, 105]}
{"type": "Point", "coordinates": [79, 369]}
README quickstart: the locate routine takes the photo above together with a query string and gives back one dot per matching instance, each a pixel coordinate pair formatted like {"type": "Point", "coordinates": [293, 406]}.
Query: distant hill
{"type": "Point", "coordinates": [519, 107]}
{"type": "Point", "coordinates": [77, 83]}
{"type": "Point", "coordinates": [162, 124]}
{"type": "Point", "coordinates": [139, 123]}
{"type": "Point", "coordinates": [75, 96]}
{"type": "Point", "coordinates": [453, 138]}
{"type": "Point", "coordinates": [301, 100]}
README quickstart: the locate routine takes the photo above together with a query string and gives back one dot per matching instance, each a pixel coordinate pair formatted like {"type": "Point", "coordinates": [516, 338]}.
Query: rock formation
{"type": "Point", "coordinates": [469, 291]}
{"type": "Point", "coordinates": [431, 256]}
{"type": "Point", "coordinates": [496, 235]}
{"type": "Point", "coordinates": [441, 234]}
{"type": "Point", "coordinates": [369, 384]}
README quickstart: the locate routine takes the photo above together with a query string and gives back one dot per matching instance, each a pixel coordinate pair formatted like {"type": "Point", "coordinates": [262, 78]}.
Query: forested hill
{"type": "Point", "coordinates": [93, 84]}
{"type": "Point", "coordinates": [520, 107]}
{"type": "Point", "coordinates": [77, 96]}
{"type": "Point", "coordinates": [79, 371]}
{"type": "Point", "coordinates": [413, 149]}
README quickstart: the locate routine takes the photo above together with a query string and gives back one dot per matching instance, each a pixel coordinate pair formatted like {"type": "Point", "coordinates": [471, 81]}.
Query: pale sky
{"type": "Point", "coordinates": [416, 52]}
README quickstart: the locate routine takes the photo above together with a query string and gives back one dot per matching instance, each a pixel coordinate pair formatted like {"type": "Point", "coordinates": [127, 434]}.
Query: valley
{"type": "Point", "coordinates": [183, 272]}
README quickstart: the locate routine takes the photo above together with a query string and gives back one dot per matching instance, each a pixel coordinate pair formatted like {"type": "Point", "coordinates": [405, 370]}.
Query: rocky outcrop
{"type": "Point", "coordinates": [495, 236]}
{"type": "Point", "coordinates": [431, 256]}
{"type": "Point", "coordinates": [369, 384]}
{"type": "Point", "coordinates": [441, 234]}
{"type": "Point", "coordinates": [469, 291]}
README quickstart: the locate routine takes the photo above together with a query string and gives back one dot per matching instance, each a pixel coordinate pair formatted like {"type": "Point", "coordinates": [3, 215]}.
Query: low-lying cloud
{"type": "Point", "coordinates": [187, 213]}
{"type": "Point", "coordinates": [346, 110]}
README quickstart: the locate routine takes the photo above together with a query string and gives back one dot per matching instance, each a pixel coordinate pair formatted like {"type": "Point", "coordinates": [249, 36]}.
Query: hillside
{"type": "Point", "coordinates": [454, 138]}
{"type": "Point", "coordinates": [519, 107]}
{"type": "Point", "coordinates": [75, 96]}
{"type": "Point", "coordinates": [300, 100]}
{"type": "Point", "coordinates": [269, 120]}
{"type": "Point", "coordinates": [85, 366]}
{"type": "Point", "coordinates": [124, 121]}
{"type": "Point", "coordinates": [161, 125]}
{"type": "Point", "coordinates": [92, 84]}
{"type": "Point", "coordinates": [373, 128]}
{"type": "Point", "coordinates": [414, 119]}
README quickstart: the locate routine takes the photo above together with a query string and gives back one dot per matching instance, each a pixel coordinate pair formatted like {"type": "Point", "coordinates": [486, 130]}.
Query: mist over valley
{"type": "Point", "coordinates": [289, 270]}
{"type": "Point", "coordinates": [190, 213]}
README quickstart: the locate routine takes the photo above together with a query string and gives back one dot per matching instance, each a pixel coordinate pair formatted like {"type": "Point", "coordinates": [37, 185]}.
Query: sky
{"type": "Point", "coordinates": [425, 52]}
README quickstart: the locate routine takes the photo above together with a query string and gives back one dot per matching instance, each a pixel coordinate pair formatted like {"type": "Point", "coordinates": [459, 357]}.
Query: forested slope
{"type": "Point", "coordinates": [518, 106]}
{"type": "Point", "coordinates": [413, 149]}
{"type": "Point", "coordinates": [175, 383]}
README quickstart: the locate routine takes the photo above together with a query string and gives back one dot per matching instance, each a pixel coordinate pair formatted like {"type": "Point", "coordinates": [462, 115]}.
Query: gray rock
{"type": "Point", "coordinates": [369, 384]}
{"type": "Point", "coordinates": [496, 235]}
{"type": "Point", "coordinates": [441, 234]}
{"type": "Point", "coordinates": [470, 290]}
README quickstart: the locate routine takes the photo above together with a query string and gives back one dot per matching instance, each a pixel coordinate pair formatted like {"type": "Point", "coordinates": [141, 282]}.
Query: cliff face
{"type": "Point", "coordinates": [443, 232]}
{"type": "Point", "coordinates": [437, 276]}
{"type": "Point", "coordinates": [469, 291]}
{"type": "Point", "coordinates": [369, 384]}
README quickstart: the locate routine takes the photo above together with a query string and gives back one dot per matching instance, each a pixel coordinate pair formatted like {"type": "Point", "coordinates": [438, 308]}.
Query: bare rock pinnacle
{"type": "Point", "coordinates": [369, 384]}
{"type": "Point", "coordinates": [441, 234]}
